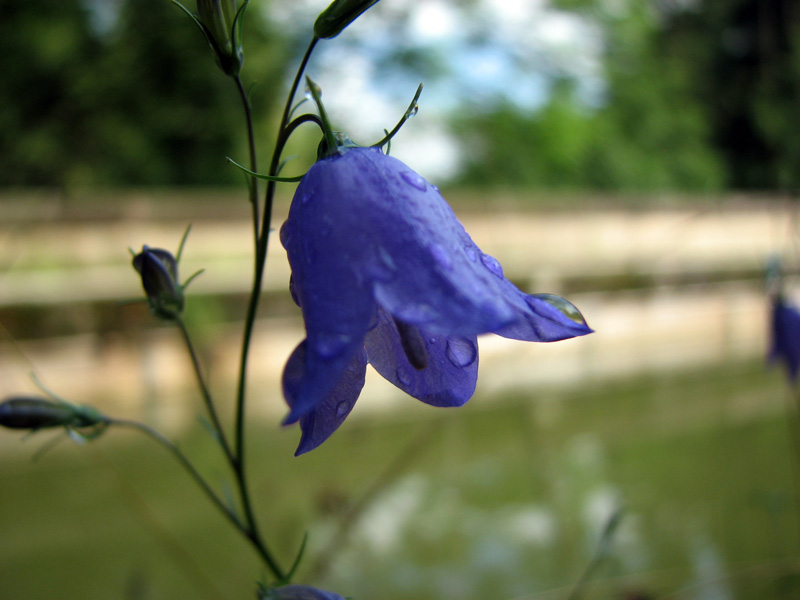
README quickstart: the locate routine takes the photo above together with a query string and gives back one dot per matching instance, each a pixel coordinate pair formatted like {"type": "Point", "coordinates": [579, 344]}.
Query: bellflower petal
{"type": "Point", "coordinates": [328, 414]}
{"type": "Point", "coordinates": [380, 262]}
{"type": "Point", "coordinates": [448, 378]}
{"type": "Point", "coordinates": [785, 346]}
{"type": "Point", "coordinates": [337, 306]}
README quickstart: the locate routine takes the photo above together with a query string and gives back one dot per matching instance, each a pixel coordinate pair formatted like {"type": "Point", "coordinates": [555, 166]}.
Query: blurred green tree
{"type": "Point", "coordinates": [744, 60]}
{"type": "Point", "coordinates": [141, 103]}
{"type": "Point", "coordinates": [650, 131]}
{"type": "Point", "coordinates": [46, 53]}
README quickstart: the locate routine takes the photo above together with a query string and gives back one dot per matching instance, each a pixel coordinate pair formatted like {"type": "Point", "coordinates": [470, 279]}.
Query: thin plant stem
{"type": "Point", "coordinates": [251, 142]}
{"type": "Point", "coordinates": [207, 399]}
{"type": "Point", "coordinates": [238, 458]}
{"type": "Point", "coordinates": [793, 423]}
{"type": "Point", "coordinates": [261, 253]}
{"type": "Point", "coordinates": [246, 529]}
{"type": "Point", "coordinates": [186, 463]}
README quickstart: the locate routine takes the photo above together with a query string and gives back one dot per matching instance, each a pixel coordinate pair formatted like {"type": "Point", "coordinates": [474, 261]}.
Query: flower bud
{"type": "Point", "coordinates": [220, 21]}
{"type": "Point", "coordinates": [159, 272]}
{"type": "Point", "coordinates": [34, 412]}
{"type": "Point", "coordinates": [332, 21]}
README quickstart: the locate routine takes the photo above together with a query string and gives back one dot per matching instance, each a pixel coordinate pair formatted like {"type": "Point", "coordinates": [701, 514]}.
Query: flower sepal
{"type": "Point", "coordinates": [221, 24]}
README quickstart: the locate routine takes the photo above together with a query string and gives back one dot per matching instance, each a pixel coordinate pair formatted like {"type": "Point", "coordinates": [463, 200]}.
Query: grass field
{"type": "Point", "coordinates": [499, 500]}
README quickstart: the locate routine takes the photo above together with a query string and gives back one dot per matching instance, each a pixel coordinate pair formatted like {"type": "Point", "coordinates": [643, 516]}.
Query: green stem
{"type": "Point", "coordinates": [246, 529]}
{"type": "Point", "coordinates": [187, 464]}
{"type": "Point", "coordinates": [207, 399]}
{"type": "Point", "coordinates": [238, 460]}
{"type": "Point", "coordinates": [251, 142]}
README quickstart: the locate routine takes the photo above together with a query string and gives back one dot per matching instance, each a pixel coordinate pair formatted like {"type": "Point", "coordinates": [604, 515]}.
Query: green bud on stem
{"type": "Point", "coordinates": [332, 21]}
{"type": "Point", "coordinates": [35, 412]}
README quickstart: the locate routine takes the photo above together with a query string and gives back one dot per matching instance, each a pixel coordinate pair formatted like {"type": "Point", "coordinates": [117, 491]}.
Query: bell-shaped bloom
{"type": "Point", "coordinates": [385, 274]}
{"type": "Point", "coordinates": [785, 344]}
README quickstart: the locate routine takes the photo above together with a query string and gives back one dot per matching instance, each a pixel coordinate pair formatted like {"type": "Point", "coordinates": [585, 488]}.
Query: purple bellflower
{"type": "Point", "coordinates": [785, 345]}
{"type": "Point", "coordinates": [385, 274]}
{"type": "Point", "coordinates": [298, 592]}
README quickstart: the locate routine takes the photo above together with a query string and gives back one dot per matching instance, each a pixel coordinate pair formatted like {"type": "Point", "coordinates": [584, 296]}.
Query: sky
{"type": "Point", "coordinates": [465, 53]}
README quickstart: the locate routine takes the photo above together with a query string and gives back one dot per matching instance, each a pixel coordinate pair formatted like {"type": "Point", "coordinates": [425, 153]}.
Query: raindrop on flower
{"type": "Point", "coordinates": [471, 252]}
{"type": "Point", "coordinates": [403, 376]}
{"type": "Point", "coordinates": [491, 263]}
{"type": "Point", "coordinates": [461, 351]}
{"type": "Point", "coordinates": [415, 313]}
{"type": "Point", "coordinates": [441, 256]}
{"type": "Point", "coordinates": [563, 306]}
{"type": "Point", "coordinates": [342, 409]}
{"type": "Point", "coordinates": [330, 345]}
{"type": "Point", "coordinates": [414, 180]}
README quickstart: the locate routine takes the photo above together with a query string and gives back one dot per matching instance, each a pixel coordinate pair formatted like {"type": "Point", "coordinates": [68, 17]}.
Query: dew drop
{"type": "Point", "coordinates": [563, 306]}
{"type": "Point", "coordinates": [414, 180]}
{"type": "Point", "coordinates": [305, 197]}
{"type": "Point", "coordinates": [403, 377]}
{"type": "Point", "coordinates": [491, 263]}
{"type": "Point", "coordinates": [415, 314]}
{"type": "Point", "coordinates": [461, 352]}
{"type": "Point", "coordinates": [330, 345]}
{"type": "Point", "coordinates": [342, 409]}
{"type": "Point", "coordinates": [284, 234]}
{"type": "Point", "coordinates": [471, 252]}
{"type": "Point", "coordinates": [382, 267]}
{"type": "Point", "coordinates": [293, 290]}
{"type": "Point", "coordinates": [441, 256]}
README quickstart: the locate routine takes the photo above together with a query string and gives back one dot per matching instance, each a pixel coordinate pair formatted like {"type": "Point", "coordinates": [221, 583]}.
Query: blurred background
{"type": "Point", "coordinates": [639, 157]}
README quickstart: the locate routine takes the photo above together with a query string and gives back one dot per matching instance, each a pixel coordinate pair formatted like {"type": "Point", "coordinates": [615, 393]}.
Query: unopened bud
{"type": "Point", "coordinates": [220, 21]}
{"type": "Point", "coordinates": [159, 272]}
{"type": "Point", "coordinates": [332, 21]}
{"type": "Point", "coordinates": [34, 412]}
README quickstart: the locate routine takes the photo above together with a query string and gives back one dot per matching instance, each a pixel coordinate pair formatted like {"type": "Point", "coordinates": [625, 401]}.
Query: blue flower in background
{"type": "Point", "coordinates": [385, 274]}
{"type": "Point", "coordinates": [298, 592]}
{"type": "Point", "coordinates": [785, 345]}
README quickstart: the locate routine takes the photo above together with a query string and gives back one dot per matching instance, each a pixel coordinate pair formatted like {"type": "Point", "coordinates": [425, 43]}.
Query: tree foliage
{"type": "Point", "coordinates": [699, 96]}
{"type": "Point", "coordinates": [141, 103]}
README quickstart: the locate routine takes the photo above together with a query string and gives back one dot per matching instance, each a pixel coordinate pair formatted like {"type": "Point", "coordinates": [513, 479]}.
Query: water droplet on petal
{"type": "Point", "coordinates": [471, 252]}
{"type": "Point", "coordinates": [284, 234]}
{"type": "Point", "coordinates": [414, 180]}
{"type": "Point", "coordinates": [382, 268]}
{"type": "Point", "coordinates": [491, 263]}
{"type": "Point", "coordinates": [293, 290]}
{"type": "Point", "coordinates": [563, 306]}
{"type": "Point", "coordinates": [441, 256]}
{"type": "Point", "coordinates": [305, 197]}
{"type": "Point", "coordinates": [330, 345]}
{"type": "Point", "coordinates": [343, 408]}
{"type": "Point", "coordinates": [415, 314]}
{"type": "Point", "coordinates": [403, 377]}
{"type": "Point", "coordinates": [461, 352]}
